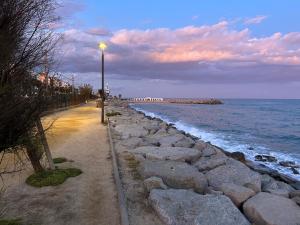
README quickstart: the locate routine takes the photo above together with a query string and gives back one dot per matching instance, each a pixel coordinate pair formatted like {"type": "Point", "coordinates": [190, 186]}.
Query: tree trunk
{"type": "Point", "coordinates": [34, 158]}
{"type": "Point", "coordinates": [45, 143]}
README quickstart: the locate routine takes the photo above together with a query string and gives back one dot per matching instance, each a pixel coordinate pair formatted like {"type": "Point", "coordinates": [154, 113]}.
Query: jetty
{"type": "Point", "coordinates": [210, 101]}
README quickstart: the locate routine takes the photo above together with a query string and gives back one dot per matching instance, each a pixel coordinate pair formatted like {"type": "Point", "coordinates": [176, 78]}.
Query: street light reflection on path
{"type": "Point", "coordinates": [102, 47]}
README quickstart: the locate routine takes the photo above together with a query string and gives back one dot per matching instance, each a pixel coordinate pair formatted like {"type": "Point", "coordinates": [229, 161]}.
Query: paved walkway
{"type": "Point", "coordinates": [89, 199]}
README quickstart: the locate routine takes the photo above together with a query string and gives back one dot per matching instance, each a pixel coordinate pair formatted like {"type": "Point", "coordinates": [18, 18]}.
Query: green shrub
{"type": "Point", "coordinates": [52, 177]}
{"type": "Point", "coordinates": [113, 113]}
{"type": "Point", "coordinates": [10, 222]}
{"type": "Point", "coordinates": [60, 160]}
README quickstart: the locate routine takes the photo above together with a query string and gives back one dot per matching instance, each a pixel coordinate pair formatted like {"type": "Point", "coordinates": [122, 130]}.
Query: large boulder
{"type": "Point", "coordinates": [267, 209]}
{"type": "Point", "coordinates": [210, 150]}
{"type": "Point", "coordinates": [172, 140]}
{"type": "Point", "coordinates": [133, 142]}
{"type": "Point", "coordinates": [168, 153]}
{"type": "Point", "coordinates": [184, 207]}
{"type": "Point", "coordinates": [209, 163]}
{"type": "Point", "coordinates": [234, 172]}
{"type": "Point", "coordinates": [237, 194]}
{"type": "Point", "coordinates": [154, 183]}
{"type": "Point", "coordinates": [175, 174]}
{"type": "Point", "coordinates": [131, 130]}
{"type": "Point", "coordinates": [273, 186]}
{"type": "Point", "coordinates": [295, 193]}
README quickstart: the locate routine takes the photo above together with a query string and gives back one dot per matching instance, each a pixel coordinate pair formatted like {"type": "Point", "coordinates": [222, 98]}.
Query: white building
{"type": "Point", "coordinates": [148, 99]}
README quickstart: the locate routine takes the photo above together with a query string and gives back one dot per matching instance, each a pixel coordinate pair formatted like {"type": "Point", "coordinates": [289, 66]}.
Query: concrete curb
{"type": "Point", "coordinates": [121, 196]}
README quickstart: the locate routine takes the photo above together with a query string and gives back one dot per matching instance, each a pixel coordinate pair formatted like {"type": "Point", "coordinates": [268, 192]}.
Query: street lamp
{"type": "Point", "coordinates": [102, 47]}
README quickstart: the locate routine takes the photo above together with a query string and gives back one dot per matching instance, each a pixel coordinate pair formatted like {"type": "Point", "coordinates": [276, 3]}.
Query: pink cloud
{"type": "Point", "coordinates": [193, 51]}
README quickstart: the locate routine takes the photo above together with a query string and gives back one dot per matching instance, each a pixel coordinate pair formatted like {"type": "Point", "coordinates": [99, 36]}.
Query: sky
{"type": "Point", "coordinates": [191, 48]}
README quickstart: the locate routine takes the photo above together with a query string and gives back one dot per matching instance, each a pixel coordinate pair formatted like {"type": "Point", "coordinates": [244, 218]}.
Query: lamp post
{"type": "Point", "coordinates": [102, 47]}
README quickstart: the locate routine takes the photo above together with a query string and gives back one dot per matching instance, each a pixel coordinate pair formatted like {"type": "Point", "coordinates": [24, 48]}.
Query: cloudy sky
{"type": "Point", "coordinates": [191, 48]}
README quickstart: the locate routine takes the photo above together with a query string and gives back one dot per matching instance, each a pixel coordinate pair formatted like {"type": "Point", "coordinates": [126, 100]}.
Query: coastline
{"type": "Point", "coordinates": [257, 165]}
{"type": "Point", "coordinates": [153, 146]}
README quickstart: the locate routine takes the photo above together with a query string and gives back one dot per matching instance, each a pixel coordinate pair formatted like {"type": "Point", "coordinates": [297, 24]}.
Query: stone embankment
{"type": "Point", "coordinates": [186, 181]}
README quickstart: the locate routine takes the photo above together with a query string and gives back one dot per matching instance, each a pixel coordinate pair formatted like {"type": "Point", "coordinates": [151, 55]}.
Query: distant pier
{"type": "Point", "coordinates": [211, 101]}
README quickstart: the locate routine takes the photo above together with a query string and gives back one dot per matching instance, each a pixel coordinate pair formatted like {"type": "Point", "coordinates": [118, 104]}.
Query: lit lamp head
{"type": "Point", "coordinates": [102, 46]}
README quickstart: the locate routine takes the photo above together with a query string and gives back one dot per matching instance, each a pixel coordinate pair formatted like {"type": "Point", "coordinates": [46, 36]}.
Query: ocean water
{"type": "Point", "coordinates": [251, 126]}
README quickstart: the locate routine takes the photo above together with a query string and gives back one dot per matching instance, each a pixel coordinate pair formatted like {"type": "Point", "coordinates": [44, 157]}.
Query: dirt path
{"type": "Point", "coordinates": [89, 199]}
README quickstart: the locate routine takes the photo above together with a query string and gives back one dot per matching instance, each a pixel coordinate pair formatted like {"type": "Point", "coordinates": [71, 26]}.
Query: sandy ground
{"type": "Point", "coordinates": [89, 199]}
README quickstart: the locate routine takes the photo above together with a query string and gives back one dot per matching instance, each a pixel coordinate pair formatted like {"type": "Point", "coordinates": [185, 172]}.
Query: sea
{"type": "Point", "coordinates": [251, 126]}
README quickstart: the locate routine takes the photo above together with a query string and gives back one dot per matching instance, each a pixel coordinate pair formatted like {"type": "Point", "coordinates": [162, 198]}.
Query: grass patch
{"type": "Point", "coordinates": [113, 113]}
{"type": "Point", "coordinates": [133, 165]}
{"type": "Point", "coordinates": [52, 177]}
{"type": "Point", "coordinates": [10, 222]}
{"type": "Point", "coordinates": [60, 160]}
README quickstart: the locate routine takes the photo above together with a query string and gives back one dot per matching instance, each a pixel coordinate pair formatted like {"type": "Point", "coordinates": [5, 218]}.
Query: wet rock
{"type": "Point", "coordinates": [168, 153]}
{"type": "Point", "coordinates": [265, 158]}
{"type": "Point", "coordinates": [250, 148]}
{"type": "Point", "coordinates": [209, 163]}
{"type": "Point", "coordinates": [261, 168]}
{"type": "Point", "coordinates": [237, 194]}
{"type": "Point", "coordinates": [154, 183]}
{"type": "Point", "coordinates": [288, 164]}
{"type": "Point", "coordinates": [234, 172]}
{"type": "Point", "coordinates": [175, 174]}
{"type": "Point", "coordinates": [295, 185]}
{"type": "Point", "coordinates": [268, 209]}
{"type": "Point", "coordinates": [238, 156]}
{"type": "Point", "coordinates": [295, 171]}
{"type": "Point", "coordinates": [184, 207]}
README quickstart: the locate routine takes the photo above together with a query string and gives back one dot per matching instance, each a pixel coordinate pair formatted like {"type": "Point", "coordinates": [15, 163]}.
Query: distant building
{"type": "Point", "coordinates": [107, 90]}
{"type": "Point", "coordinates": [148, 99]}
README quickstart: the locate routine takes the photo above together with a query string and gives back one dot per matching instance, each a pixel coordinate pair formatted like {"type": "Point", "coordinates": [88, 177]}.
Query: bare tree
{"type": "Point", "coordinates": [86, 91]}
{"type": "Point", "coordinates": [26, 39]}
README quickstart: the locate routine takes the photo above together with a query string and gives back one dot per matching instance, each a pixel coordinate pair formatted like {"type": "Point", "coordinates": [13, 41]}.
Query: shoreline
{"type": "Point", "coordinates": [165, 171]}
{"type": "Point", "coordinates": [255, 165]}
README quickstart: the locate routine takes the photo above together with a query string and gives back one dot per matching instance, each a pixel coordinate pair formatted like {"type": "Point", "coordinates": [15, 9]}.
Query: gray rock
{"type": "Point", "coordinates": [131, 130]}
{"type": "Point", "coordinates": [210, 190]}
{"type": "Point", "coordinates": [237, 194]}
{"type": "Point", "coordinates": [295, 193]}
{"type": "Point", "coordinates": [170, 140]}
{"type": "Point", "coordinates": [268, 209]}
{"type": "Point", "coordinates": [200, 145]}
{"type": "Point", "coordinates": [175, 174]}
{"type": "Point", "coordinates": [209, 163]}
{"type": "Point", "coordinates": [154, 183]}
{"type": "Point", "coordinates": [210, 150]}
{"type": "Point", "coordinates": [273, 186]}
{"type": "Point", "coordinates": [168, 153]}
{"type": "Point", "coordinates": [296, 199]}
{"type": "Point", "coordinates": [184, 207]}
{"type": "Point", "coordinates": [234, 172]}
{"type": "Point", "coordinates": [296, 185]}
{"type": "Point", "coordinates": [133, 142]}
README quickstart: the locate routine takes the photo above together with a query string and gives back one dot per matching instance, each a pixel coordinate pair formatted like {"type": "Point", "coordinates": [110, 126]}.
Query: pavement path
{"type": "Point", "coordinates": [89, 199]}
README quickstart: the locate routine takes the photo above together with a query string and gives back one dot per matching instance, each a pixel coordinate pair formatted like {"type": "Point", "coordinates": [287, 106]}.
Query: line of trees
{"type": "Point", "coordinates": [26, 49]}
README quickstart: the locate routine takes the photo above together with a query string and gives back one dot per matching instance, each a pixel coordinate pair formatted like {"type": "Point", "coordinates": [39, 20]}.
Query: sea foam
{"type": "Point", "coordinates": [221, 141]}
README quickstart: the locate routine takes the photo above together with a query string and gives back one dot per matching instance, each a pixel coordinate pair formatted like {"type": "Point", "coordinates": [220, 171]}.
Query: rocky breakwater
{"type": "Point", "coordinates": [191, 182]}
